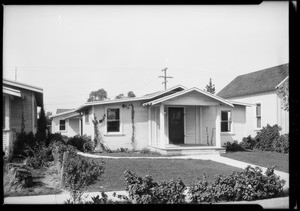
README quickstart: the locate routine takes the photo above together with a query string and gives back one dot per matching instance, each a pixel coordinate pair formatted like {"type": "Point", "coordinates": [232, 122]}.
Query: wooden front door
{"type": "Point", "coordinates": [176, 125]}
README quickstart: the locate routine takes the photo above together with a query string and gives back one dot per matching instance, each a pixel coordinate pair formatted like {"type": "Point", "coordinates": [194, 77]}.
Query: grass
{"type": "Point", "coordinates": [160, 170]}
{"type": "Point", "coordinates": [262, 158]}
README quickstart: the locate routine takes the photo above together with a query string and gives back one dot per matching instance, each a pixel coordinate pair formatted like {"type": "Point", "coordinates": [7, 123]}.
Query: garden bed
{"type": "Point", "coordinates": [262, 158]}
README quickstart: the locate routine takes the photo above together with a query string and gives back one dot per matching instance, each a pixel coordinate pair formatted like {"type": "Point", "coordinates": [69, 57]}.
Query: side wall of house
{"type": "Point", "coordinates": [25, 106]}
{"type": "Point", "coordinates": [269, 111]}
{"type": "Point", "coordinates": [72, 126]}
{"type": "Point", "coordinates": [283, 117]}
{"type": "Point", "coordinates": [123, 139]}
{"type": "Point", "coordinates": [238, 124]}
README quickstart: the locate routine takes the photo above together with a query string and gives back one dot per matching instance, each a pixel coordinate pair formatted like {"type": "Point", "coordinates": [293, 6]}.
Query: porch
{"type": "Point", "coordinates": [188, 122]}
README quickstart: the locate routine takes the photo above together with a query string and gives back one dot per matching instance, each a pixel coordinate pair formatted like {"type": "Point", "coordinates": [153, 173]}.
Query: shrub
{"type": "Point", "coordinates": [82, 143]}
{"type": "Point", "coordinates": [248, 185]}
{"type": "Point", "coordinates": [39, 156]}
{"type": "Point", "coordinates": [248, 142]}
{"type": "Point", "coordinates": [145, 190]}
{"type": "Point", "coordinates": [269, 139]}
{"type": "Point", "coordinates": [281, 144]}
{"type": "Point", "coordinates": [233, 146]}
{"type": "Point", "coordinates": [145, 151]}
{"type": "Point", "coordinates": [55, 137]}
{"type": "Point", "coordinates": [79, 173]}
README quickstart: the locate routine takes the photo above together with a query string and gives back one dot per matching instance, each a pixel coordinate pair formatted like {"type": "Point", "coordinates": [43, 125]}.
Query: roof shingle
{"type": "Point", "coordinates": [255, 82]}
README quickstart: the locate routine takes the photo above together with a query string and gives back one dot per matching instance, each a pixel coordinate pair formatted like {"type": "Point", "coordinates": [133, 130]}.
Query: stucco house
{"type": "Point", "coordinates": [259, 88]}
{"type": "Point", "coordinates": [19, 99]}
{"type": "Point", "coordinates": [173, 121]}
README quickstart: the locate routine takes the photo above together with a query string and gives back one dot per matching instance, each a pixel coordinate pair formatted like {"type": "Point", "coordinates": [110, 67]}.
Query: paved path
{"type": "Point", "coordinates": [282, 202]}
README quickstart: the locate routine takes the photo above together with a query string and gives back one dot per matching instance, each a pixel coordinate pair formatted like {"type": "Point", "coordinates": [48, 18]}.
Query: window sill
{"type": "Point", "coordinates": [257, 129]}
{"type": "Point", "coordinates": [63, 131]}
{"type": "Point", "coordinates": [114, 134]}
{"type": "Point", "coordinates": [227, 134]}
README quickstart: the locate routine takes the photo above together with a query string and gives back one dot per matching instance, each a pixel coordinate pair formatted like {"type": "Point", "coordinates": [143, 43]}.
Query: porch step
{"type": "Point", "coordinates": [189, 150]}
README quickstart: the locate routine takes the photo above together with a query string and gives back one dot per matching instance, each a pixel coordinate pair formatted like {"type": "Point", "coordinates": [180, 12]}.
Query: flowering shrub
{"type": "Point", "coordinates": [79, 173]}
{"type": "Point", "coordinates": [281, 144]}
{"type": "Point", "coordinates": [248, 185]}
{"type": "Point", "coordinates": [146, 191]}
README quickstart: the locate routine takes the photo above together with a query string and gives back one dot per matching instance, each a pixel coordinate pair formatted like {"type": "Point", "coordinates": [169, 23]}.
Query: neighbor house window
{"type": "Point", "coordinates": [258, 115]}
{"type": "Point", "coordinates": [225, 121]}
{"type": "Point", "coordinates": [87, 115]}
{"type": "Point", "coordinates": [113, 120]}
{"type": "Point", "coordinates": [62, 124]}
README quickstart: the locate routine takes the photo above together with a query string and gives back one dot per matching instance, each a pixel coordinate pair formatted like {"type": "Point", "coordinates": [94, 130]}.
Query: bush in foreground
{"type": "Point", "coordinates": [248, 185]}
{"type": "Point", "coordinates": [233, 146]}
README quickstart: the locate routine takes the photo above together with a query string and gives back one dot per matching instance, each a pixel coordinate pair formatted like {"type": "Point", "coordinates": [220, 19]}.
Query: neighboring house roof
{"type": "Point", "coordinates": [145, 97]}
{"type": "Point", "coordinates": [177, 94]}
{"type": "Point", "coordinates": [255, 82]}
{"type": "Point", "coordinates": [68, 112]}
{"type": "Point", "coordinates": [37, 90]}
{"type": "Point", "coordinates": [286, 79]}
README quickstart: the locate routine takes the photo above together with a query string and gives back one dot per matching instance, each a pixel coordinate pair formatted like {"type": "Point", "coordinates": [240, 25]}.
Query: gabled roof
{"type": "Point", "coordinates": [177, 94]}
{"type": "Point", "coordinates": [255, 82]}
{"type": "Point", "coordinates": [38, 92]}
{"type": "Point", "coordinates": [63, 113]}
{"type": "Point", "coordinates": [145, 97]}
{"type": "Point", "coordinates": [60, 110]}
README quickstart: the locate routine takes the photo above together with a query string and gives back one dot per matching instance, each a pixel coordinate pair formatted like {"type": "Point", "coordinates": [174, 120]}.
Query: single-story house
{"type": "Point", "coordinates": [66, 122]}
{"type": "Point", "coordinates": [176, 120]}
{"type": "Point", "coordinates": [260, 88]}
{"type": "Point", "coordinates": [19, 100]}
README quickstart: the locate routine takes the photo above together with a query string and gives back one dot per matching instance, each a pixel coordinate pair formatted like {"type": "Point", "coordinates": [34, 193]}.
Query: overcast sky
{"type": "Point", "coordinates": [70, 51]}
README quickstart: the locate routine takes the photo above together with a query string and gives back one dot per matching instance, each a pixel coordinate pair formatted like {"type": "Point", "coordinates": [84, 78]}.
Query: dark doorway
{"type": "Point", "coordinates": [176, 125]}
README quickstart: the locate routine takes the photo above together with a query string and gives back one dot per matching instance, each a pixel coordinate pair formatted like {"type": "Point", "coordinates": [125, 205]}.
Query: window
{"type": "Point", "coordinates": [86, 115]}
{"type": "Point", "coordinates": [258, 115]}
{"type": "Point", "coordinates": [225, 121]}
{"type": "Point", "coordinates": [113, 120]}
{"type": "Point", "coordinates": [62, 124]}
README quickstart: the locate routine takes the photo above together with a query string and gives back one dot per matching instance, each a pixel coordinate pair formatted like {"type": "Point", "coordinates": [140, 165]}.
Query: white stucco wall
{"type": "Point", "coordinates": [271, 112]}
{"type": "Point", "coordinates": [123, 139]}
{"type": "Point", "coordinates": [72, 126]}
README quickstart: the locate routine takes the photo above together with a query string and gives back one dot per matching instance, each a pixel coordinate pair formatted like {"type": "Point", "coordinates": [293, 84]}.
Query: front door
{"type": "Point", "coordinates": [176, 125]}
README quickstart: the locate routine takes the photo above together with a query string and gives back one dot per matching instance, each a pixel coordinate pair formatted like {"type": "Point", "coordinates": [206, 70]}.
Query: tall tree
{"type": "Point", "coordinates": [98, 95]}
{"type": "Point", "coordinates": [210, 87]}
{"type": "Point", "coordinates": [41, 126]}
{"type": "Point", "coordinates": [131, 94]}
{"type": "Point", "coordinates": [120, 96]}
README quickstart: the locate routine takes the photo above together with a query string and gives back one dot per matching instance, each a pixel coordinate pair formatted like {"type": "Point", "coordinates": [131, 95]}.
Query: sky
{"type": "Point", "coordinates": [70, 51]}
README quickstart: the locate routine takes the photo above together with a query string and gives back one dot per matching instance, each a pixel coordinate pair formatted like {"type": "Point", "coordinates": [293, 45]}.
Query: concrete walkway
{"type": "Point", "coordinates": [282, 202]}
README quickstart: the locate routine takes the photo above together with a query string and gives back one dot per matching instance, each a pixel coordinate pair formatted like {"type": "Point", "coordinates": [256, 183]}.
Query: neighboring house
{"type": "Point", "coordinates": [19, 100]}
{"type": "Point", "coordinates": [177, 120]}
{"type": "Point", "coordinates": [259, 88]}
{"type": "Point", "coordinates": [66, 122]}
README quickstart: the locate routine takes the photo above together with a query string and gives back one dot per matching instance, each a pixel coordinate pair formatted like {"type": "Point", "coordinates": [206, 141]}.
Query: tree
{"type": "Point", "coordinates": [131, 94]}
{"type": "Point", "coordinates": [98, 95]}
{"type": "Point", "coordinates": [48, 114]}
{"type": "Point", "coordinates": [210, 87]}
{"type": "Point", "coordinates": [283, 93]}
{"type": "Point", "coordinates": [41, 126]}
{"type": "Point", "coordinates": [120, 96]}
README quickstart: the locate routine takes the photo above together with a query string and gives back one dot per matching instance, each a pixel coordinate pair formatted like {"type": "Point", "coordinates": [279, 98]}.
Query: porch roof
{"type": "Point", "coordinates": [10, 91]}
{"type": "Point", "coordinates": [64, 113]}
{"type": "Point", "coordinates": [160, 100]}
{"type": "Point", "coordinates": [71, 116]}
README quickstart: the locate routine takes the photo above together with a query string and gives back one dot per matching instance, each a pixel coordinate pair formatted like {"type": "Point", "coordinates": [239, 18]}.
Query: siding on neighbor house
{"type": "Point", "coordinates": [26, 104]}
{"type": "Point", "coordinates": [282, 117]}
{"type": "Point", "coordinates": [73, 126]}
{"type": "Point", "coordinates": [269, 110]}
{"type": "Point", "coordinates": [124, 139]}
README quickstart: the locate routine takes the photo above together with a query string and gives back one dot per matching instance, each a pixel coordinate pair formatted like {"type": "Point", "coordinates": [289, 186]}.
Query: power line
{"type": "Point", "coordinates": [165, 77]}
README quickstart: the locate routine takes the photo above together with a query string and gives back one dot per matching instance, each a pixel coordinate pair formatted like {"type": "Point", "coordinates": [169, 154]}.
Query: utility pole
{"type": "Point", "coordinates": [165, 77]}
{"type": "Point", "coordinates": [15, 73]}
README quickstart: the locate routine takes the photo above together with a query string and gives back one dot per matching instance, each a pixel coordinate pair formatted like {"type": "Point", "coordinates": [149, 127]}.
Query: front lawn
{"type": "Point", "coordinates": [160, 170]}
{"type": "Point", "coordinates": [262, 158]}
